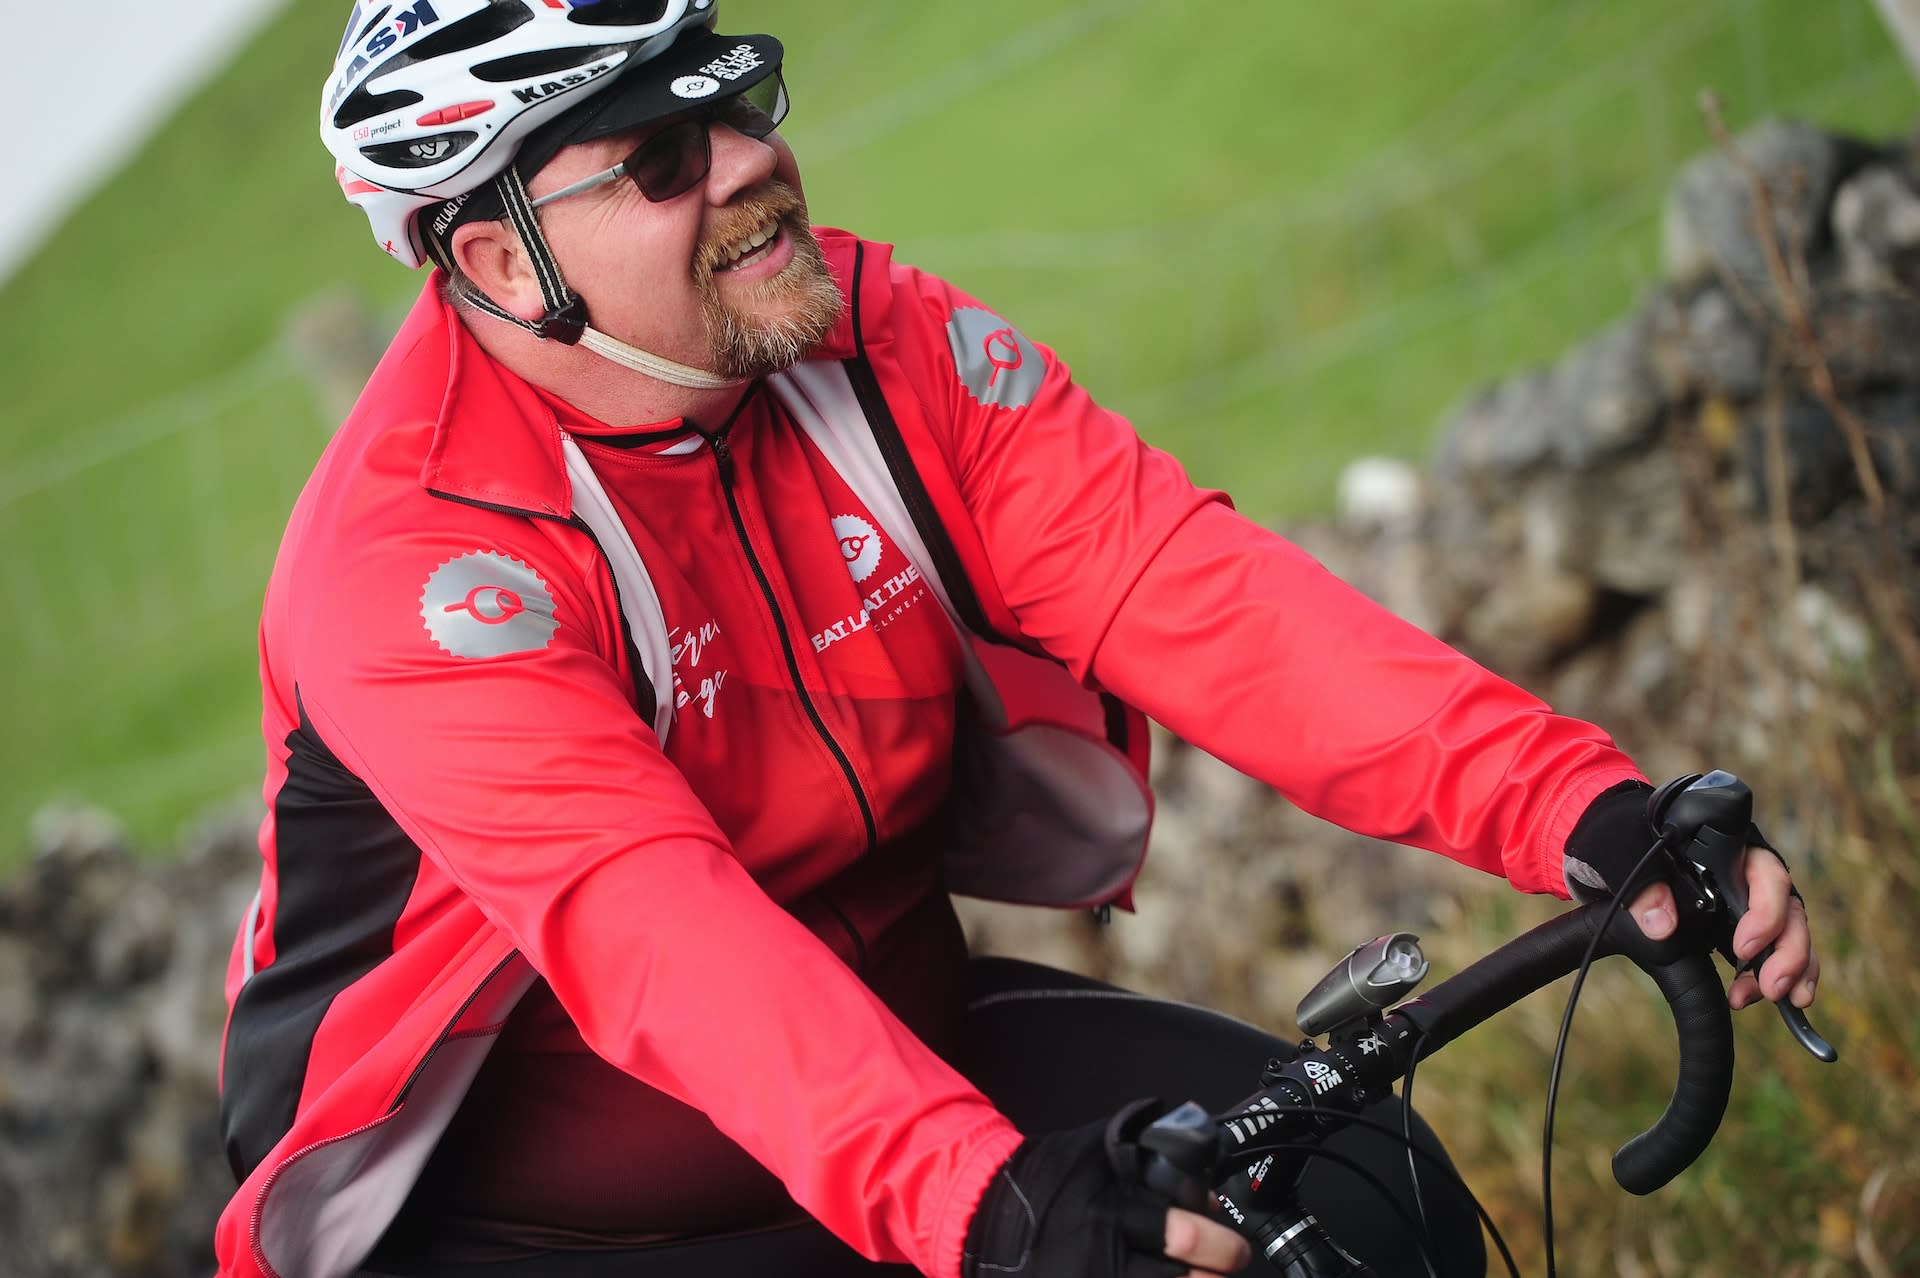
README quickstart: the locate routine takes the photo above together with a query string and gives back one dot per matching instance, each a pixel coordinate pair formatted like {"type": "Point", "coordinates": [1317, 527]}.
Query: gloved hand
{"type": "Point", "coordinates": [1615, 832]}
{"type": "Point", "coordinates": [1072, 1205]}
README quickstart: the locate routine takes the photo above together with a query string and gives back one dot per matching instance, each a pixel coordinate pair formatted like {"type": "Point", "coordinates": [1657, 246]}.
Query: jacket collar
{"type": "Point", "coordinates": [496, 443]}
{"type": "Point", "coordinates": [497, 440]}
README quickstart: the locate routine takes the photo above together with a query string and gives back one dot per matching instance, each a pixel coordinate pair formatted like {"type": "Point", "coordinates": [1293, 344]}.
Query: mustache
{"type": "Point", "coordinates": [771, 201]}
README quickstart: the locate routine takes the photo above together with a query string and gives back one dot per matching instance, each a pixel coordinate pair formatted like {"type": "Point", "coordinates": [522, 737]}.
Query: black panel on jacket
{"type": "Point", "coordinates": [345, 872]}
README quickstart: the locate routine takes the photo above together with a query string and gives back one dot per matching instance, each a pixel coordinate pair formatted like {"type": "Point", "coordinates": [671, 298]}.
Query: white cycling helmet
{"type": "Point", "coordinates": [430, 99]}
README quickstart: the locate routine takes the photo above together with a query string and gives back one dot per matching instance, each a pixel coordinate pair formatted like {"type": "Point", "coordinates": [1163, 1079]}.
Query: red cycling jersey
{"type": "Point", "coordinates": [467, 793]}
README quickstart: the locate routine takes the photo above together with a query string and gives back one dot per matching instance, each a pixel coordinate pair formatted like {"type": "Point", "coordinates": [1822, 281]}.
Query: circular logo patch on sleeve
{"type": "Point", "coordinates": [997, 364]}
{"type": "Point", "coordinates": [485, 604]}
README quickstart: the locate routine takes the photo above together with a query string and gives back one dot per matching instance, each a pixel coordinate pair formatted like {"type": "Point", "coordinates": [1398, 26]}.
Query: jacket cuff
{"type": "Point", "coordinates": [969, 1186]}
{"type": "Point", "coordinates": [1550, 849]}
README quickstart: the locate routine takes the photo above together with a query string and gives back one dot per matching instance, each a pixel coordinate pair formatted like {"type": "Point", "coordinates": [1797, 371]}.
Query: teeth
{"type": "Point", "coordinates": [748, 245]}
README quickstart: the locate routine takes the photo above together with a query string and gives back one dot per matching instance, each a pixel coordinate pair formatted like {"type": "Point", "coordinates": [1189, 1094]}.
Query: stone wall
{"type": "Point", "coordinates": [111, 1008]}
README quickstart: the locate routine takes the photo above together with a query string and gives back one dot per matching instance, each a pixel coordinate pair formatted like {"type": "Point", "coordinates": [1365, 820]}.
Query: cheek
{"type": "Point", "coordinates": [785, 167]}
{"type": "Point", "coordinates": [633, 252]}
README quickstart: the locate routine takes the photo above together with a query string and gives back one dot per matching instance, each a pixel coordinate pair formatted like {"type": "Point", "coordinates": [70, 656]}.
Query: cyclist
{"type": "Point", "coordinates": [690, 602]}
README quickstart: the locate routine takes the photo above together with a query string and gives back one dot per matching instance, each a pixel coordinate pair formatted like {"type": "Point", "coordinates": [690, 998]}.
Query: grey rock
{"type": "Point", "coordinates": [1604, 396]}
{"type": "Point", "coordinates": [1710, 224]}
{"type": "Point", "coordinates": [1819, 467]}
{"type": "Point", "coordinates": [1892, 422]}
{"type": "Point", "coordinates": [1636, 523]}
{"type": "Point", "coordinates": [1876, 227]}
{"type": "Point", "coordinates": [1870, 341]}
{"type": "Point", "coordinates": [1702, 343]}
{"type": "Point", "coordinates": [1502, 430]}
{"type": "Point", "coordinates": [1842, 638]}
{"type": "Point", "coordinates": [1541, 612]}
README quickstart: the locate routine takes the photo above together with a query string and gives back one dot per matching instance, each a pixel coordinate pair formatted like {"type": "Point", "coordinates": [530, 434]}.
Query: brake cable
{"type": "Point", "coordinates": [1662, 844]}
{"type": "Point", "coordinates": [1406, 1134]}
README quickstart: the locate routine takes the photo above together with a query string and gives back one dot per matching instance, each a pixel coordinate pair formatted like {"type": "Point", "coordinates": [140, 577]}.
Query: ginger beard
{"type": "Point", "coordinates": [772, 324]}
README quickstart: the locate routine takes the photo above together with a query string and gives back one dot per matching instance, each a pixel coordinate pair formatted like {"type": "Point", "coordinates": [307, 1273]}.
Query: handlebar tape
{"type": "Point", "coordinates": [1705, 1030]}
{"type": "Point", "coordinates": [1685, 975]}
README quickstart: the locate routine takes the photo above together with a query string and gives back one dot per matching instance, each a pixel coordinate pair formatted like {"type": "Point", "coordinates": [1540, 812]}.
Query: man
{"type": "Point", "coordinates": [633, 665]}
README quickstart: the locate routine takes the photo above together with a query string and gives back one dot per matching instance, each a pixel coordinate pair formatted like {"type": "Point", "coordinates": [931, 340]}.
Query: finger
{"type": "Point", "coordinates": [1653, 909]}
{"type": "Point", "coordinates": [1804, 992]}
{"type": "Point", "coordinates": [1768, 891]}
{"type": "Point", "coordinates": [1792, 952]}
{"type": "Point", "coordinates": [1744, 992]}
{"type": "Point", "coordinates": [1205, 1244]}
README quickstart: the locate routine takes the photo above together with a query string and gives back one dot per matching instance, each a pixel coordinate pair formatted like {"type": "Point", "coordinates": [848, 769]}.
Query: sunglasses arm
{"type": "Point", "coordinates": [584, 184]}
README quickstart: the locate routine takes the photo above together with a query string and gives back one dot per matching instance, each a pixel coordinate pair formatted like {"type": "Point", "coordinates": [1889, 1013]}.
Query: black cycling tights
{"type": "Point", "coordinates": [1054, 1050]}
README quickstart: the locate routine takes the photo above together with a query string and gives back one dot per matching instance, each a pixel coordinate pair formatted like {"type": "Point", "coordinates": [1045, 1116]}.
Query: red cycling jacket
{"type": "Point", "coordinates": [468, 790]}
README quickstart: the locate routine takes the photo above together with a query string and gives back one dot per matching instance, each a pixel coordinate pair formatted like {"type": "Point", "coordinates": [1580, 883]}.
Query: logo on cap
{"type": "Point", "coordinates": [694, 86]}
{"type": "Point", "coordinates": [998, 366]}
{"type": "Point", "coordinates": [859, 545]}
{"type": "Point", "coordinates": [485, 604]}
{"type": "Point", "coordinates": [448, 211]}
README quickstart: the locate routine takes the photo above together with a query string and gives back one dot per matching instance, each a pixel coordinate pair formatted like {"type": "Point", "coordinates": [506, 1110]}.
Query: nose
{"type": "Point", "coordinates": [740, 163]}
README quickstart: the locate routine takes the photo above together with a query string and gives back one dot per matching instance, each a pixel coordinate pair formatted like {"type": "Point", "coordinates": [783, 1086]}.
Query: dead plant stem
{"type": "Point", "coordinates": [1792, 294]}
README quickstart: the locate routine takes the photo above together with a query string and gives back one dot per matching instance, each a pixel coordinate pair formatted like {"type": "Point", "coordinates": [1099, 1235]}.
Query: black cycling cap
{"type": "Point", "coordinates": [694, 72]}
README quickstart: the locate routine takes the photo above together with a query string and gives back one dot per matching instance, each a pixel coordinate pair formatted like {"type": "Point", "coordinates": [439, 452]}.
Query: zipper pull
{"type": "Point", "coordinates": [722, 454]}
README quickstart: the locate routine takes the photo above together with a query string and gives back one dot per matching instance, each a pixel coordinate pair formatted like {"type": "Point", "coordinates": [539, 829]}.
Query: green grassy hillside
{"type": "Point", "coordinates": [1276, 238]}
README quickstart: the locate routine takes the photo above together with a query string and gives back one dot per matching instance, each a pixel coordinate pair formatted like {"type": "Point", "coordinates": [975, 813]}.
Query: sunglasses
{"type": "Point", "coordinates": [673, 160]}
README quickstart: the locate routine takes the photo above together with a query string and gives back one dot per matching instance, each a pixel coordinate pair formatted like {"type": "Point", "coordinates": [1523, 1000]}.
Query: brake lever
{"type": "Point", "coordinates": [1181, 1145]}
{"type": "Point", "coordinates": [1704, 821]}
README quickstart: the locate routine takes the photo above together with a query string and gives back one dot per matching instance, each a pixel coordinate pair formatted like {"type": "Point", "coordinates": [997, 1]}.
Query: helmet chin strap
{"type": "Point", "coordinates": [566, 317]}
{"type": "Point", "coordinates": [652, 365]}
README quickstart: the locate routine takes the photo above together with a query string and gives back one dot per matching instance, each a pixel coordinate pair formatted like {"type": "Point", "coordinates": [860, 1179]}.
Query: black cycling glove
{"type": "Point", "coordinates": [1071, 1205]}
{"type": "Point", "coordinates": [1613, 834]}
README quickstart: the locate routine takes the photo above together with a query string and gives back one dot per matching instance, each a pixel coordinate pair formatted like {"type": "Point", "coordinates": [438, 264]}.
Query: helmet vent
{"type": "Point", "coordinates": [620, 13]}
{"type": "Point", "coordinates": [530, 66]}
{"type": "Point", "coordinates": [490, 23]}
{"type": "Point", "coordinates": [367, 27]}
{"type": "Point", "coordinates": [362, 105]}
{"type": "Point", "coordinates": [419, 153]}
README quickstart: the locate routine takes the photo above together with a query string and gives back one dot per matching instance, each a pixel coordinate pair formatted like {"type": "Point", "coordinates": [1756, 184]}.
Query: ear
{"type": "Point", "coordinates": [492, 255]}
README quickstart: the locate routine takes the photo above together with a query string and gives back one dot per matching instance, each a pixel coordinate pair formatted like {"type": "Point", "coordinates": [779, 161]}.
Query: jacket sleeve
{"type": "Point", "coordinates": [1237, 640]}
{"type": "Point", "coordinates": [530, 780]}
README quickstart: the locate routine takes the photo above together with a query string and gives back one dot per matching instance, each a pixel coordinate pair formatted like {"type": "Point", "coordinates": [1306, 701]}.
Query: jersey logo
{"type": "Point", "coordinates": [485, 604]}
{"type": "Point", "coordinates": [859, 545]}
{"type": "Point", "coordinates": [997, 364]}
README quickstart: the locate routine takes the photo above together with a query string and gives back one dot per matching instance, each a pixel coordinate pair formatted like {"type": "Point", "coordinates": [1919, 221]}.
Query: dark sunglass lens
{"type": "Point", "coordinates": [671, 161]}
{"type": "Point", "coordinates": [757, 111]}
{"type": "Point", "coordinates": [767, 101]}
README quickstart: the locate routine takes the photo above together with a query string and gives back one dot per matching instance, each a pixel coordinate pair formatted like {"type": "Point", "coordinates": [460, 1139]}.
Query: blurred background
{"type": "Point", "coordinates": [1280, 238]}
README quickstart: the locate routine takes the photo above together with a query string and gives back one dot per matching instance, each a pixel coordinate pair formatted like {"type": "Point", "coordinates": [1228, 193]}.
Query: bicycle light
{"type": "Point", "coordinates": [1372, 977]}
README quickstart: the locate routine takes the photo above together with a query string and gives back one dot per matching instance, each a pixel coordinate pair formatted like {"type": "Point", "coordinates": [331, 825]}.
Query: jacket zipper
{"type": "Point", "coordinates": [723, 459]}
